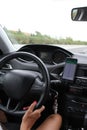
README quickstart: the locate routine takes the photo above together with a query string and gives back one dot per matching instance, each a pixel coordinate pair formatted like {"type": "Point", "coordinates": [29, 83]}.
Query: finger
{"type": "Point", "coordinates": [26, 108]}
{"type": "Point", "coordinates": [37, 113]}
{"type": "Point", "coordinates": [41, 109]}
{"type": "Point", "coordinates": [32, 106]}
{"type": "Point", "coordinates": [30, 109]}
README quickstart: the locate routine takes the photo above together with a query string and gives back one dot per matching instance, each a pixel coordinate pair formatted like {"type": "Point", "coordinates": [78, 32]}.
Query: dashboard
{"type": "Point", "coordinates": [54, 57]}
{"type": "Point", "coordinates": [47, 53]}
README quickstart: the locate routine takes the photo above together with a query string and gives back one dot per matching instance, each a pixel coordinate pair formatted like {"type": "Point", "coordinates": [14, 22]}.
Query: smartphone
{"type": "Point", "coordinates": [69, 69]}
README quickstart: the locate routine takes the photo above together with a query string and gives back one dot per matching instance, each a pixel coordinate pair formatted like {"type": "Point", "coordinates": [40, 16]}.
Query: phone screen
{"type": "Point", "coordinates": [69, 69]}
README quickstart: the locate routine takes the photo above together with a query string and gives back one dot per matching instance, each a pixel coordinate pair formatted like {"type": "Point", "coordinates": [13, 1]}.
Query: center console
{"type": "Point", "coordinates": [76, 95]}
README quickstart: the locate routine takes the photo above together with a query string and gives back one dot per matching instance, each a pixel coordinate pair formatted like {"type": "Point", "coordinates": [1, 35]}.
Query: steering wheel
{"type": "Point", "coordinates": [19, 85]}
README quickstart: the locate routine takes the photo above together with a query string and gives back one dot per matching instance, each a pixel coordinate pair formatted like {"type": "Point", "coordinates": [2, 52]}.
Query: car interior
{"type": "Point", "coordinates": [49, 74]}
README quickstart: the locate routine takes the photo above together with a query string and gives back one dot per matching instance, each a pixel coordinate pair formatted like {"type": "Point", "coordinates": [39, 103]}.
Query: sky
{"type": "Point", "coordinates": [50, 17]}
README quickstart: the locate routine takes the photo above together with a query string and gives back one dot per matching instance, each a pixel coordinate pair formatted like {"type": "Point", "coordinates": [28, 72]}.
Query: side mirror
{"type": "Point", "coordinates": [79, 14]}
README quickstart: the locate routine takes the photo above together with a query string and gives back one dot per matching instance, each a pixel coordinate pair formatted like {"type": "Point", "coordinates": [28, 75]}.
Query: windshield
{"type": "Point", "coordinates": [44, 22]}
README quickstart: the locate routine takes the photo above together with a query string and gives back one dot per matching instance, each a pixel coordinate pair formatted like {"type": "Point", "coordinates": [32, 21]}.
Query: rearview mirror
{"type": "Point", "coordinates": [79, 14]}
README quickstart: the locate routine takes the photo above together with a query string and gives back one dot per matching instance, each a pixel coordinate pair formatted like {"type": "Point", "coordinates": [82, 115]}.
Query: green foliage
{"type": "Point", "coordinates": [37, 38]}
{"type": "Point", "coordinates": [19, 36]}
{"type": "Point", "coordinates": [42, 39]}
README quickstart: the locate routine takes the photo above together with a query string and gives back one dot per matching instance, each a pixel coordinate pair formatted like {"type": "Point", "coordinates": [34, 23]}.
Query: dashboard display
{"type": "Point", "coordinates": [59, 56]}
{"type": "Point", "coordinates": [69, 69]}
{"type": "Point", "coordinates": [45, 57]}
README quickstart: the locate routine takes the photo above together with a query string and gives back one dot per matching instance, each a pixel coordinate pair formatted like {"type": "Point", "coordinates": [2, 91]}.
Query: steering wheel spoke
{"type": "Point", "coordinates": [12, 105]}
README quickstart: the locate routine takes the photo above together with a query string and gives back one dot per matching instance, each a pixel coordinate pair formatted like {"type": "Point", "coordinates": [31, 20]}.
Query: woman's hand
{"type": "Point", "coordinates": [30, 117]}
